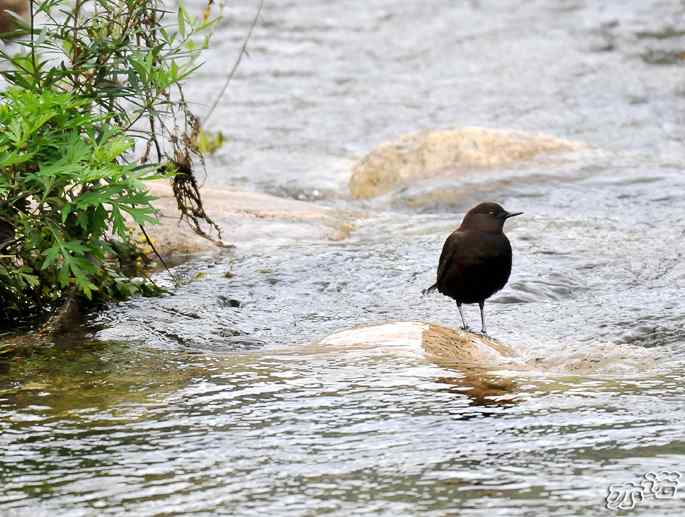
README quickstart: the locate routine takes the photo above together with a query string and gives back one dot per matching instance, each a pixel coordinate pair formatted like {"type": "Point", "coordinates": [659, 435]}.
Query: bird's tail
{"type": "Point", "coordinates": [430, 289]}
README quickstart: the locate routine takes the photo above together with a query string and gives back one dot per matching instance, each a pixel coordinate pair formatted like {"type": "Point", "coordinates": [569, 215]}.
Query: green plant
{"type": "Point", "coordinates": [65, 196]}
{"type": "Point", "coordinates": [94, 95]}
{"type": "Point", "coordinates": [122, 55]}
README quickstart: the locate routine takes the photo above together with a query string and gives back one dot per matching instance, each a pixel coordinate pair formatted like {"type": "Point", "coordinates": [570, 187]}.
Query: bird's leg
{"type": "Point", "coordinates": [482, 318]}
{"type": "Point", "coordinates": [463, 321]}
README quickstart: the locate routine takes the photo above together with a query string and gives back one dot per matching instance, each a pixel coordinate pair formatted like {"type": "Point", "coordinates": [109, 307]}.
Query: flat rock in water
{"type": "Point", "coordinates": [446, 153]}
{"type": "Point", "coordinates": [246, 218]}
{"type": "Point", "coordinates": [449, 347]}
{"type": "Point", "coordinates": [477, 358]}
{"type": "Point", "coordinates": [488, 370]}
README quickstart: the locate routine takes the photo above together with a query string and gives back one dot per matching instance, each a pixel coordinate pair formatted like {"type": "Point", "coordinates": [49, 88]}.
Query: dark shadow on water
{"type": "Point", "coordinates": [473, 358]}
{"type": "Point", "coordinates": [482, 389]}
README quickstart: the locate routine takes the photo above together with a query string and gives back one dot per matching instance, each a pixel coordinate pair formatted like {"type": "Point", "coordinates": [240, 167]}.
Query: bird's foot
{"type": "Point", "coordinates": [466, 328]}
{"type": "Point", "coordinates": [484, 332]}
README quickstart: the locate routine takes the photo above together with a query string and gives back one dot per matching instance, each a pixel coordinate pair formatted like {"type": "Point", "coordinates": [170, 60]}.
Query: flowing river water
{"type": "Point", "coordinates": [213, 401]}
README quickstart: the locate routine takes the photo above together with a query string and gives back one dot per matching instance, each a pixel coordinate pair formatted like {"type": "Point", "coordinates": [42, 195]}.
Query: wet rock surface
{"type": "Point", "coordinates": [246, 218]}
{"type": "Point", "coordinates": [447, 153]}
{"type": "Point", "coordinates": [438, 343]}
{"type": "Point", "coordinates": [477, 356]}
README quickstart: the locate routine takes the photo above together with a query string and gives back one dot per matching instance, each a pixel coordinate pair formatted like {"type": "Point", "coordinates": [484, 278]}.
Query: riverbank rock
{"type": "Point", "coordinates": [246, 218]}
{"type": "Point", "coordinates": [448, 153]}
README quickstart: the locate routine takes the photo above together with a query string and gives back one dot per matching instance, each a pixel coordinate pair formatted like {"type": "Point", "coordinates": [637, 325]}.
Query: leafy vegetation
{"type": "Point", "coordinates": [94, 108]}
{"type": "Point", "coordinates": [64, 195]}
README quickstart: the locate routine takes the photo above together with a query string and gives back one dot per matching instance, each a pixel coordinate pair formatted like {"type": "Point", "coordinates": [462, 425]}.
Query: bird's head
{"type": "Point", "coordinates": [487, 217]}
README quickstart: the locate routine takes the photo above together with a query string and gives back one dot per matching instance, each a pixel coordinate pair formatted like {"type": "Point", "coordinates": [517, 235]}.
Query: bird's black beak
{"type": "Point", "coordinates": [512, 214]}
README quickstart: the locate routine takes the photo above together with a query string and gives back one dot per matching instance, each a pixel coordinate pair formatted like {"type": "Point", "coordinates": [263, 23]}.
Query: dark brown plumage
{"type": "Point", "coordinates": [475, 261]}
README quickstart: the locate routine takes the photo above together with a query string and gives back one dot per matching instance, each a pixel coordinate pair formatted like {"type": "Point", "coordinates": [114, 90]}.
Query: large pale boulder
{"type": "Point", "coordinates": [454, 152]}
{"type": "Point", "coordinates": [248, 218]}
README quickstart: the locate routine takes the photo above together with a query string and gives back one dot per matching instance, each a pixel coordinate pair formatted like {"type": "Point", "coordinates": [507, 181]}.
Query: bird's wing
{"type": "Point", "coordinates": [449, 250]}
{"type": "Point", "coordinates": [463, 248]}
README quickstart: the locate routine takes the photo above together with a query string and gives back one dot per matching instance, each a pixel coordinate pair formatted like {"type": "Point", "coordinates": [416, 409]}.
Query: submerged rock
{"type": "Point", "coordinates": [478, 360]}
{"type": "Point", "coordinates": [486, 370]}
{"type": "Point", "coordinates": [245, 218]}
{"type": "Point", "coordinates": [443, 153]}
{"type": "Point", "coordinates": [477, 356]}
{"type": "Point", "coordinates": [449, 347]}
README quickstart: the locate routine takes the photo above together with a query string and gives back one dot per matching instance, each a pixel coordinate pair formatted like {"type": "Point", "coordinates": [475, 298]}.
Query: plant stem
{"type": "Point", "coordinates": [36, 74]}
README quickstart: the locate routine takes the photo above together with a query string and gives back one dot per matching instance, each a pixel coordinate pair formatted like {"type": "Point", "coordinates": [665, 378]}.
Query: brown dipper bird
{"type": "Point", "coordinates": [475, 261]}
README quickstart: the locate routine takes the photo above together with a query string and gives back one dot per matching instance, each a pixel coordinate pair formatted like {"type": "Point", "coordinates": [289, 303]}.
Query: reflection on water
{"type": "Point", "coordinates": [213, 400]}
{"type": "Point", "coordinates": [357, 431]}
{"type": "Point", "coordinates": [482, 388]}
